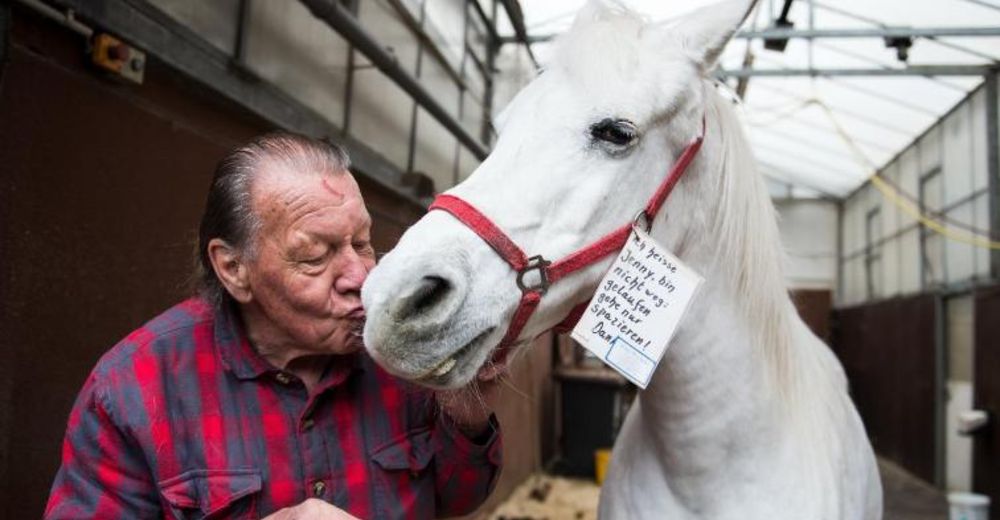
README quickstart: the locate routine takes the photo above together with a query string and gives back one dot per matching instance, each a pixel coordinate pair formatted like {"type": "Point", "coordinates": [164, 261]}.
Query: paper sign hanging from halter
{"type": "Point", "coordinates": [637, 308]}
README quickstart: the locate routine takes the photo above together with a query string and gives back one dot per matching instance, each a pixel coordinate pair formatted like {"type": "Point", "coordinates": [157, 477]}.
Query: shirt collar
{"type": "Point", "coordinates": [239, 357]}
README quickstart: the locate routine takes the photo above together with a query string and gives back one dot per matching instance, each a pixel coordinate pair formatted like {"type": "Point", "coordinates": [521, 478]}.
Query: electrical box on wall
{"type": "Point", "coordinates": [118, 57]}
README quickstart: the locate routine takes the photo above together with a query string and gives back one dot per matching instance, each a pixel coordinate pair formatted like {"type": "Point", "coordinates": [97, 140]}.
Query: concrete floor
{"type": "Point", "coordinates": [558, 498]}
{"type": "Point", "coordinates": [550, 498]}
{"type": "Point", "coordinates": [909, 498]}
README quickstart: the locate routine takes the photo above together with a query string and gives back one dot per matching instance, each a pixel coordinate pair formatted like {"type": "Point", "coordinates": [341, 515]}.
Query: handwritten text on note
{"type": "Point", "coordinates": [637, 308]}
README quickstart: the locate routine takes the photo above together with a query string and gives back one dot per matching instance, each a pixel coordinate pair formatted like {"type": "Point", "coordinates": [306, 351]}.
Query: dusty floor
{"type": "Point", "coordinates": [550, 498]}
{"type": "Point", "coordinates": [544, 497]}
{"type": "Point", "coordinates": [909, 498]}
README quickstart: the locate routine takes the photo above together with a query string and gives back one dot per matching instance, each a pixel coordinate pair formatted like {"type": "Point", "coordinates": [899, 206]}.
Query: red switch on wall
{"type": "Point", "coordinates": [118, 57]}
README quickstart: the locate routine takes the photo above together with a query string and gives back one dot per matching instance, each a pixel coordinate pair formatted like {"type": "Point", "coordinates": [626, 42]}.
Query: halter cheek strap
{"type": "Point", "coordinates": [548, 272]}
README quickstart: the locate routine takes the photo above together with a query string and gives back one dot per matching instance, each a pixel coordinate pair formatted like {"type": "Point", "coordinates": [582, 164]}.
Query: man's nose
{"type": "Point", "coordinates": [353, 274]}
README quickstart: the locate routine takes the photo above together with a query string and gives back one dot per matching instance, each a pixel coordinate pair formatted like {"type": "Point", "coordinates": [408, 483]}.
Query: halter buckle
{"type": "Point", "coordinates": [541, 265]}
{"type": "Point", "coordinates": [646, 221]}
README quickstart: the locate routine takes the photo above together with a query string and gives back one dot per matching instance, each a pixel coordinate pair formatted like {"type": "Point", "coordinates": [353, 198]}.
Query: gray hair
{"type": "Point", "coordinates": [229, 213]}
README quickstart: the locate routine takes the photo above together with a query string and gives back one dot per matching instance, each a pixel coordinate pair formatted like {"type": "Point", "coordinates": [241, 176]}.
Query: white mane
{"type": "Point", "coordinates": [750, 249]}
{"type": "Point", "coordinates": [751, 254]}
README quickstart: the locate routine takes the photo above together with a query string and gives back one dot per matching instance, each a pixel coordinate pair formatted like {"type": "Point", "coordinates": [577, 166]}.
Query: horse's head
{"type": "Point", "coordinates": [580, 150]}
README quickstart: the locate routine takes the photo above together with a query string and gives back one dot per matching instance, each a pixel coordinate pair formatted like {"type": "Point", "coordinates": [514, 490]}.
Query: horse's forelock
{"type": "Point", "coordinates": [604, 43]}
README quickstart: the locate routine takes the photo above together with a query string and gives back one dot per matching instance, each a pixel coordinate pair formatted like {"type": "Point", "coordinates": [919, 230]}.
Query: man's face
{"type": "Point", "coordinates": [313, 252]}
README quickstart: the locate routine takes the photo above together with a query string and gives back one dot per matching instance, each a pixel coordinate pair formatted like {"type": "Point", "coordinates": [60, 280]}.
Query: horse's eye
{"type": "Point", "coordinates": [619, 132]}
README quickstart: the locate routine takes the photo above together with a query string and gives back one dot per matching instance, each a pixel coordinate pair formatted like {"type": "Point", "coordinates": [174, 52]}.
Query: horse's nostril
{"type": "Point", "coordinates": [430, 291]}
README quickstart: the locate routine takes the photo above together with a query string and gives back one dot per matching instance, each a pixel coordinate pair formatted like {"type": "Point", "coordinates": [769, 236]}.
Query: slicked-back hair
{"type": "Point", "coordinates": [229, 213]}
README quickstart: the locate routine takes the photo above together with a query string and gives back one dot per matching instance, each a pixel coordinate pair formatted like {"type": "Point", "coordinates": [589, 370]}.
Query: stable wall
{"type": "Point", "coordinates": [892, 374]}
{"type": "Point", "coordinates": [808, 230]}
{"type": "Point", "coordinates": [986, 445]}
{"type": "Point", "coordinates": [888, 257]}
{"type": "Point", "coordinates": [886, 253]}
{"type": "Point", "coordinates": [289, 48]}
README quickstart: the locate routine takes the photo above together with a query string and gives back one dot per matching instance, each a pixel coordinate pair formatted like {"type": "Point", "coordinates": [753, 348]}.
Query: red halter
{"type": "Point", "coordinates": [551, 272]}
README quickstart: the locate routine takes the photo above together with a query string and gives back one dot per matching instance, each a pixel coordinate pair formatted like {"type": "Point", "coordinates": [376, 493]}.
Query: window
{"type": "Point", "coordinates": [931, 244]}
{"type": "Point", "coordinates": [873, 253]}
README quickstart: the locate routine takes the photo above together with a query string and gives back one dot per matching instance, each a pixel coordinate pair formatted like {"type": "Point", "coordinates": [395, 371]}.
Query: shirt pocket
{"type": "Point", "coordinates": [405, 476]}
{"type": "Point", "coordinates": [205, 494]}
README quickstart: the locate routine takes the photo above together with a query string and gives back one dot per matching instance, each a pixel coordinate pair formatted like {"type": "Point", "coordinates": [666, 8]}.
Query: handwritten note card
{"type": "Point", "coordinates": [637, 308]}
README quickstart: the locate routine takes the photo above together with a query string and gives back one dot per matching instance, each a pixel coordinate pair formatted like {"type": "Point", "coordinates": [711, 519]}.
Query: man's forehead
{"type": "Point", "coordinates": [278, 182]}
{"type": "Point", "coordinates": [288, 197]}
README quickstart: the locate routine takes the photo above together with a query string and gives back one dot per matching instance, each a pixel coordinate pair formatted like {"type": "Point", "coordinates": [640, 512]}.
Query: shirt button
{"type": "Point", "coordinates": [283, 378]}
{"type": "Point", "coordinates": [318, 488]}
{"type": "Point", "coordinates": [308, 424]}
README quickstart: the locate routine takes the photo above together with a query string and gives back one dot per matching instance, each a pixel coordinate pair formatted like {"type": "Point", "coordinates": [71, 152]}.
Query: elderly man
{"type": "Point", "coordinates": [256, 398]}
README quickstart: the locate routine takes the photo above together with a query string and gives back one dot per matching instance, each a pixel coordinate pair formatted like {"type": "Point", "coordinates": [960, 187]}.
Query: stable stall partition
{"type": "Point", "coordinates": [986, 443]}
{"type": "Point", "coordinates": [890, 352]}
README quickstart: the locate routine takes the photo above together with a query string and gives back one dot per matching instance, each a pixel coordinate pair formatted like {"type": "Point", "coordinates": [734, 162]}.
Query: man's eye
{"type": "Point", "coordinates": [315, 261]}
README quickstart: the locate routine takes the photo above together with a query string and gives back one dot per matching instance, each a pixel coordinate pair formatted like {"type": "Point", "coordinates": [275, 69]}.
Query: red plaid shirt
{"type": "Point", "coordinates": [183, 419]}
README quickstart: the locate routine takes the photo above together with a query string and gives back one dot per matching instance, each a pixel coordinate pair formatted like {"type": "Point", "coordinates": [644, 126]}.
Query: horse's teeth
{"type": "Point", "coordinates": [444, 367]}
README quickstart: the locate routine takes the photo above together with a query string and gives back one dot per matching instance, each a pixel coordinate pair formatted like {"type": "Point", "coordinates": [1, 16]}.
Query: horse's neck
{"type": "Point", "coordinates": [709, 397]}
{"type": "Point", "coordinates": [746, 403]}
{"type": "Point", "coordinates": [710, 403]}
{"type": "Point", "coordinates": [717, 433]}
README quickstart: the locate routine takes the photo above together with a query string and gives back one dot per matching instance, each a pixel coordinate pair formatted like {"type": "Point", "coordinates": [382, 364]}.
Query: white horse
{"type": "Point", "coordinates": [747, 416]}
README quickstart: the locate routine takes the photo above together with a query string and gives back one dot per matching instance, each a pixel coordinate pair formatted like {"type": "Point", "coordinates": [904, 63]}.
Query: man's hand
{"type": "Point", "coordinates": [311, 509]}
{"type": "Point", "coordinates": [469, 408]}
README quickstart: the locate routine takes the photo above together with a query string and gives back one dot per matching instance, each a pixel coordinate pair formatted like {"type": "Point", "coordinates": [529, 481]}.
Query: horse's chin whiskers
{"type": "Point", "coordinates": [357, 329]}
{"type": "Point", "coordinates": [509, 383]}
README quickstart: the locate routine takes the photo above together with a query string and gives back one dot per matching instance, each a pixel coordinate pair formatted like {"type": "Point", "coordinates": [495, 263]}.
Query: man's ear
{"type": "Point", "coordinates": [705, 32]}
{"type": "Point", "coordinates": [231, 269]}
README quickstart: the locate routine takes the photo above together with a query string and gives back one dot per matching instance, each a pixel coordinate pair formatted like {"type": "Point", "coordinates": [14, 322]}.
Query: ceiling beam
{"type": "Point", "coordinates": [987, 5]}
{"type": "Point", "coordinates": [875, 32]}
{"type": "Point", "coordinates": [878, 23]}
{"type": "Point", "coordinates": [343, 22]}
{"type": "Point", "coordinates": [513, 8]}
{"type": "Point", "coordinates": [915, 70]}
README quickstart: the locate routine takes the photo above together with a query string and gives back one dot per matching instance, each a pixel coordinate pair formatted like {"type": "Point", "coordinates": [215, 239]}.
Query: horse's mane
{"type": "Point", "coordinates": [752, 255]}
{"type": "Point", "coordinates": [807, 379]}
{"type": "Point", "coordinates": [750, 249]}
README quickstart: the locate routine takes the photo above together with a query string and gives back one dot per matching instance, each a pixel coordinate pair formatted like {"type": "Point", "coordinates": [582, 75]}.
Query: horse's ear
{"type": "Point", "coordinates": [705, 32]}
{"type": "Point", "coordinates": [596, 10]}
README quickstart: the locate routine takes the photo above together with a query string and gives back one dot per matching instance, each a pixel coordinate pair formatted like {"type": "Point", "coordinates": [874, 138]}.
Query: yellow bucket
{"type": "Point", "coordinates": [602, 458]}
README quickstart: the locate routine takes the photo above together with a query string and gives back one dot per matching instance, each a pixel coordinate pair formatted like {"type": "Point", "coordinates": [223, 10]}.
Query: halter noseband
{"type": "Point", "coordinates": [551, 272]}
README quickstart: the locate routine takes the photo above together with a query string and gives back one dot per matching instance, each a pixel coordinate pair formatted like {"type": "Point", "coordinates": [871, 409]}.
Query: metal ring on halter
{"type": "Point", "coordinates": [541, 265]}
{"type": "Point", "coordinates": [648, 222]}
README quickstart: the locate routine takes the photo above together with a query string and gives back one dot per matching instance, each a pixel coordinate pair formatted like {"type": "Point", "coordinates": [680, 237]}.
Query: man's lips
{"type": "Point", "coordinates": [356, 314]}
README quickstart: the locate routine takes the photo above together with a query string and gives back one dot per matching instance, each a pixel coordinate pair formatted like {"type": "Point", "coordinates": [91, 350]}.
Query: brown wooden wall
{"type": "Point", "coordinates": [101, 187]}
{"type": "Point", "coordinates": [525, 411]}
{"type": "Point", "coordinates": [814, 306]}
{"type": "Point", "coordinates": [986, 446]}
{"type": "Point", "coordinates": [887, 349]}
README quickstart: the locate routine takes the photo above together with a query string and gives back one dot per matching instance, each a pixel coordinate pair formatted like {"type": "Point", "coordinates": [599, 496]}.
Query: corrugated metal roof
{"type": "Point", "coordinates": [798, 124]}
